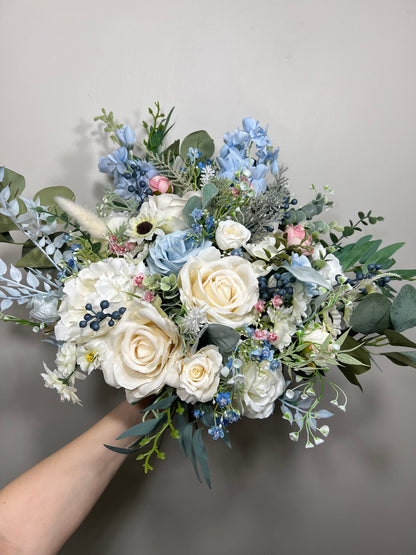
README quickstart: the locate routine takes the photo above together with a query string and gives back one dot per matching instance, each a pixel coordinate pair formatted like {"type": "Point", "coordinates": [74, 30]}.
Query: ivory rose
{"type": "Point", "coordinates": [171, 206]}
{"type": "Point", "coordinates": [262, 388]}
{"type": "Point", "coordinates": [199, 375]}
{"type": "Point", "coordinates": [226, 288]}
{"type": "Point", "coordinates": [141, 353]}
{"type": "Point", "coordinates": [231, 235]}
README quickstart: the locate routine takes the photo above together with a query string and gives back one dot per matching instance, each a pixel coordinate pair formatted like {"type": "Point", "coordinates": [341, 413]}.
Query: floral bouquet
{"type": "Point", "coordinates": [200, 281]}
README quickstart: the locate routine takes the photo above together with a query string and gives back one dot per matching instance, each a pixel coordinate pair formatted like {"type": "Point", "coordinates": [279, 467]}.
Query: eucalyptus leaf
{"type": "Point", "coordinates": [181, 425]}
{"type": "Point", "coordinates": [164, 403]}
{"type": "Point", "coordinates": [122, 450]}
{"type": "Point", "coordinates": [188, 445]}
{"type": "Point", "coordinates": [6, 224]}
{"type": "Point", "coordinates": [5, 237]}
{"type": "Point", "coordinates": [208, 193]}
{"type": "Point", "coordinates": [15, 181]}
{"type": "Point", "coordinates": [372, 314]}
{"type": "Point", "coordinates": [201, 455]}
{"type": "Point", "coordinates": [34, 258]}
{"type": "Point", "coordinates": [48, 194]}
{"type": "Point", "coordinates": [144, 428]}
{"type": "Point", "coordinates": [403, 310]}
{"type": "Point", "coordinates": [308, 275]}
{"type": "Point", "coordinates": [398, 340]}
{"type": "Point", "coordinates": [200, 140]}
{"type": "Point", "coordinates": [225, 338]}
{"type": "Point", "coordinates": [402, 359]}
{"type": "Point", "coordinates": [193, 202]}
{"type": "Point", "coordinates": [172, 151]}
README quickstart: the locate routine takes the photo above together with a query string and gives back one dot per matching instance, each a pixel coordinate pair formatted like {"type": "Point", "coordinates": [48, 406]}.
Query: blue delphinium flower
{"type": "Point", "coordinates": [209, 223]}
{"type": "Point", "coordinates": [114, 164]}
{"type": "Point", "coordinates": [234, 156]}
{"type": "Point", "coordinates": [223, 399]}
{"type": "Point", "coordinates": [193, 154]}
{"type": "Point", "coordinates": [269, 158]}
{"type": "Point", "coordinates": [126, 136]}
{"type": "Point", "coordinates": [196, 214]}
{"type": "Point", "coordinates": [231, 161]}
{"type": "Point", "coordinates": [216, 432]}
{"type": "Point", "coordinates": [237, 139]}
{"type": "Point", "coordinates": [256, 133]}
{"type": "Point", "coordinates": [275, 365]}
{"type": "Point", "coordinates": [232, 416]}
{"type": "Point", "coordinates": [258, 178]}
{"type": "Point", "coordinates": [170, 252]}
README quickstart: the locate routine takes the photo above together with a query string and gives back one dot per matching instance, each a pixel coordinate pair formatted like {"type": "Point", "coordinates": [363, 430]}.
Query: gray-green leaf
{"type": "Point", "coordinates": [403, 311]}
{"type": "Point", "coordinates": [372, 314]}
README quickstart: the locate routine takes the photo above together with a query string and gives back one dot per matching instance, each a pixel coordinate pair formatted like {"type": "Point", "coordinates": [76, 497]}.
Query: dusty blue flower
{"type": "Point", "coordinates": [231, 161]}
{"type": "Point", "coordinates": [114, 164]}
{"type": "Point", "coordinates": [126, 136]}
{"type": "Point", "coordinates": [216, 432]}
{"type": "Point", "coordinates": [171, 252]}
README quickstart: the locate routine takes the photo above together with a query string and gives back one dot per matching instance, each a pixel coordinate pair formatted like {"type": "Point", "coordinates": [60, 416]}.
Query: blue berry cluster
{"type": "Point", "coordinates": [372, 270]}
{"type": "Point", "coordinates": [283, 286]}
{"type": "Point", "coordinates": [96, 318]}
{"type": "Point", "coordinates": [286, 205]}
{"type": "Point", "coordinates": [131, 175]}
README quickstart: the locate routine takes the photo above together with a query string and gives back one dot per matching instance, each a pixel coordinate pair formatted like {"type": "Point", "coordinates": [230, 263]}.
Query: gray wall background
{"type": "Point", "coordinates": [335, 80]}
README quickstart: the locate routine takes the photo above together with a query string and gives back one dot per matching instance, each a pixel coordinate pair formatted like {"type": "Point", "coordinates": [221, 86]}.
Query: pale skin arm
{"type": "Point", "coordinates": [42, 508]}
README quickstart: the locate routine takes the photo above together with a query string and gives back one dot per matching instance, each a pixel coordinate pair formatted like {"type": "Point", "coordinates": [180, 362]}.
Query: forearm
{"type": "Point", "coordinates": [42, 508]}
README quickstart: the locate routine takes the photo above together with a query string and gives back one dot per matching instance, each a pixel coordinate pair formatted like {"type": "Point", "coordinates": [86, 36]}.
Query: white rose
{"type": "Point", "coordinates": [115, 221]}
{"type": "Point", "coordinates": [226, 288]}
{"type": "Point", "coordinates": [110, 280]}
{"type": "Point", "coordinates": [199, 375]}
{"type": "Point", "coordinates": [262, 388]}
{"type": "Point", "coordinates": [231, 235]}
{"type": "Point", "coordinates": [258, 250]}
{"type": "Point", "coordinates": [332, 267]}
{"type": "Point", "coordinates": [141, 353]}
{"type": "Point", "coordinates": [171, 206]}
{"type": "Point", "coordinates": [316, 335]}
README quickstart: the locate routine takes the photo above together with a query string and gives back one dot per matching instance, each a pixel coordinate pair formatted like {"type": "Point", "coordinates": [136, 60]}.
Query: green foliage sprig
{"type": "Point", "coordinates": [111, 126]}
{"type": "Point", "coordinates": [348, 230]}
{"type": "Point", "coordinates": [158, 129]}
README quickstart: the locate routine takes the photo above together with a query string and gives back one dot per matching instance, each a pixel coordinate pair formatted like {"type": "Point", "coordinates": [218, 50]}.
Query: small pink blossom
{"type": "Point", "coordinates": [272, 336]}
{"type": "Point", "coordinates": [296, 236]}
{"type": "Point", "coordinates": [260, 335]}
{"type": "Point", "coordinates": [117, 249]}
{"type": "Point", "coordinates": [277, 301]}
{"type": "Point", "coordinates": [260, 306]}
{"type": "Point", "coordinates": [148, 296]}
{"type": "Point", "coordinates": [160, 184]}
{"type": "Point", "coordinates": [234, 192]}
{"type": "Point", "coordinates": [138, 280]}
